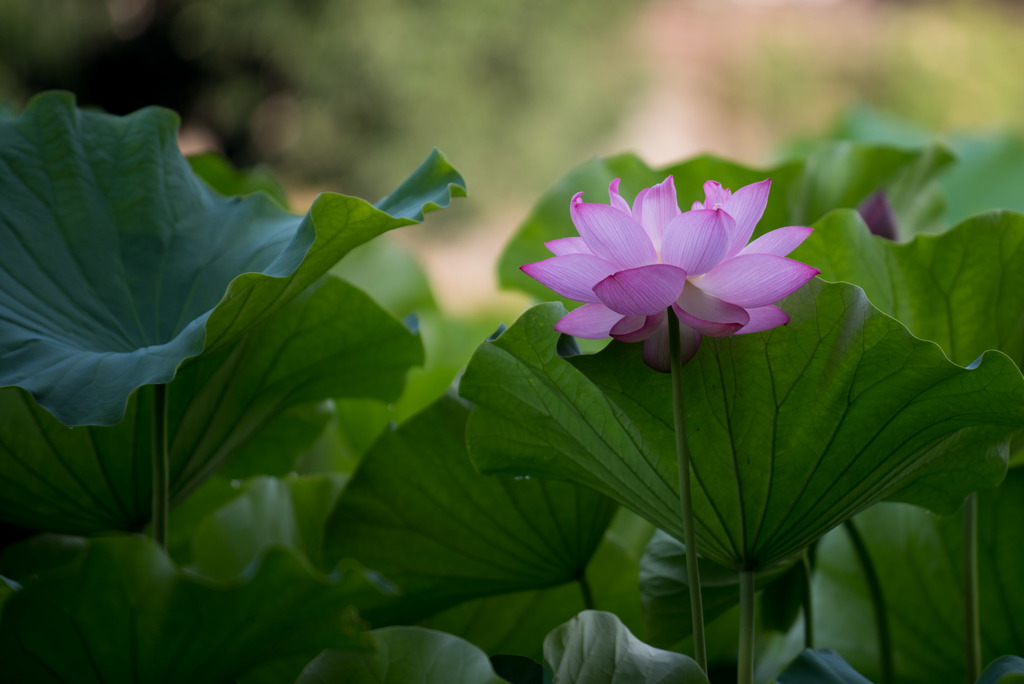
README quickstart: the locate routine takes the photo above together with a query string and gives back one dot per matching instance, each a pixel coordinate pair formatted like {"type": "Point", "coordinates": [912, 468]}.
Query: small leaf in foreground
{"type": "Point", "coordinates": [1005, 670]}
{"type": "Point", "coordinates": [404, 655]}
{"type": "Point", "coordinates": [595, 648]}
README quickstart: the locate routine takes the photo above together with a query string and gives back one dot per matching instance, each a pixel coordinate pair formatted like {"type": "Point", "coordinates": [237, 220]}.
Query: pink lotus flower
{"type": "Point", "coordinates": [630, 265]}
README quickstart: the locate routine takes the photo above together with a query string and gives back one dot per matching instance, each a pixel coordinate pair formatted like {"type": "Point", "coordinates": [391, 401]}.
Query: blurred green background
{"type": "Point", "coordinates": [349, 95]}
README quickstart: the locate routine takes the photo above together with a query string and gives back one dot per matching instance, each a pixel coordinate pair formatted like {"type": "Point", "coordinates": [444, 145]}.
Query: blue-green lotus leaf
{"type": "Point", "coordinates": [117, 262]}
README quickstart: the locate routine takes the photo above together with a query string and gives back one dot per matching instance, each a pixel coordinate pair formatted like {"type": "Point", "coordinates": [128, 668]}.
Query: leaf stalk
{"type": "Point", "coordinates": [877, 601]}
{"type": "Point", "coordinates": [161, 466]}
{"type": "Point", "coordinates": [807, 601]}
{"type": "Point", "coordinates": [745, 664]}
{"type": "Point", "coordinates": [685, 497]}
{"type": "Point", "coordinates": [972, 623]}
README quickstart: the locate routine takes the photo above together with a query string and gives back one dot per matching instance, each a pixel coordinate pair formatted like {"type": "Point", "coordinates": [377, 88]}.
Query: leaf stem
{"type": "Point", "coordinates": [161, 468]}
{"type": "Point", "coordinates": [745, 666]}
{"type": "Point", "coordinates": [808, 608]}
{"type": "Point", "coordinates": [972, 624]}
{"type": "Point", "coordinates": [877, 600]}
{"type": "Point", "coordinates": [685, 498]}
{"type": "Point", "coordinates": [588, 595]}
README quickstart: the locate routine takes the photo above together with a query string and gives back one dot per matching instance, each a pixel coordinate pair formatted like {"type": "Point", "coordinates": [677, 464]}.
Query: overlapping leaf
{"type": "Point", "coordinates": [332, 342]}
{"type": "Point", "coordinates": [419, 513]}
{"type": "Point", "coordinates": [122, 612]}
{"type": "Point", "coordinates": [791, 431]}
{"type": "Point", "coordinates": [837, 175]}
{"type": "Point", "coordinates": [117, 262]}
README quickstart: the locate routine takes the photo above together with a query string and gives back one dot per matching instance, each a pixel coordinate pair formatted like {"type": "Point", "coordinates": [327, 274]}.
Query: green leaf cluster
{"type": "Point", "coordinates": [341, 515]}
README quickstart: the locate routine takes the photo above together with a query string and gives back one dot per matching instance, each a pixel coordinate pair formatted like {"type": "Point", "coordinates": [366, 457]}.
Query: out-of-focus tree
{"type": "Point", "coordinates": [342, 92]}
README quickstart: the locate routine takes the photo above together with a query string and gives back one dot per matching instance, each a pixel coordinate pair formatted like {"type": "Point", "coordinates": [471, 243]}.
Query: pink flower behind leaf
{"type": "Point", "coordinates": [629, 265]}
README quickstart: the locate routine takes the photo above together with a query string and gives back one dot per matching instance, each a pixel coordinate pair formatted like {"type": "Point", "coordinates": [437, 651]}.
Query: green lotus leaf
{"type": "Point", "coordinates": [282, 441]}
{"type": "Point", "coordinates": [269, 512]}
{"type": "Point", "coordinates": [223, 177]}
{"type": "Point", "coordinates": [117, 262]}
{"type": "Point", "coordinates": [963, 289]}
{"type": "Point", "coordinates": [837, 175]}
{"type": "Point", "coordinates": [595, 648]}
{"type": "Point", "coordinates": [820, 667]}
{"type": "Point", "coordinates": [333, 341]}
{"type": "Point", "coordinates": [918, 558]}
{"type": "Point", "coordinates": [791, 431]}
{"type": "Point", "coordinates": [123, 612]}
{"type": "Point", "coordinates": [989, 164]}
{"type": "Point", "coordinates": [405, 655]}
{"type": "Point", "coordinates": [418, 512]}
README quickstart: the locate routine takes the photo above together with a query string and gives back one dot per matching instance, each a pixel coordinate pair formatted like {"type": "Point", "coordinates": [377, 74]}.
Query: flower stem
{"type": "Point", "coordinates": [972, 625]}
{"type": "Point", "coordinates": [877, 600]}
{"type": "Point", "coordinates": [745, 666]}
{"type": "Point", "coordinates": [808, 609]}
{"type": "Point", "coordinates": [161, 476]}
{"type": "Point", "coordinates": [685, 499]}
{"type": "Point", "coordinates": [588, 595]}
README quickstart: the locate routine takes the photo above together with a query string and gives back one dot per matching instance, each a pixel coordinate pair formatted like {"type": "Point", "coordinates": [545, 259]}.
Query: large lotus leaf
{"type": "Point", "coordinates": [837, 175]}
{"type": "Point", "coordinates": [963, 289]}
{"type": "Point", "coordinates": [405, 655]}
{"type": "Point", "coordinates": [331, 342]}
{"type": "Point", "coordinates": [117, 262]}
{"type": "Point", "coordinates": [791, 431]}
{"type": "Point", "coordinates": [517, 623]}
{"type": "Point", "coordinates": [417, 511]}
{"type": "Point", "coordinates": [595, 648]}
{"type": "Point", "coordinates": [123, 612]}
{"type": "Point", "coordinates": [918, 558]}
